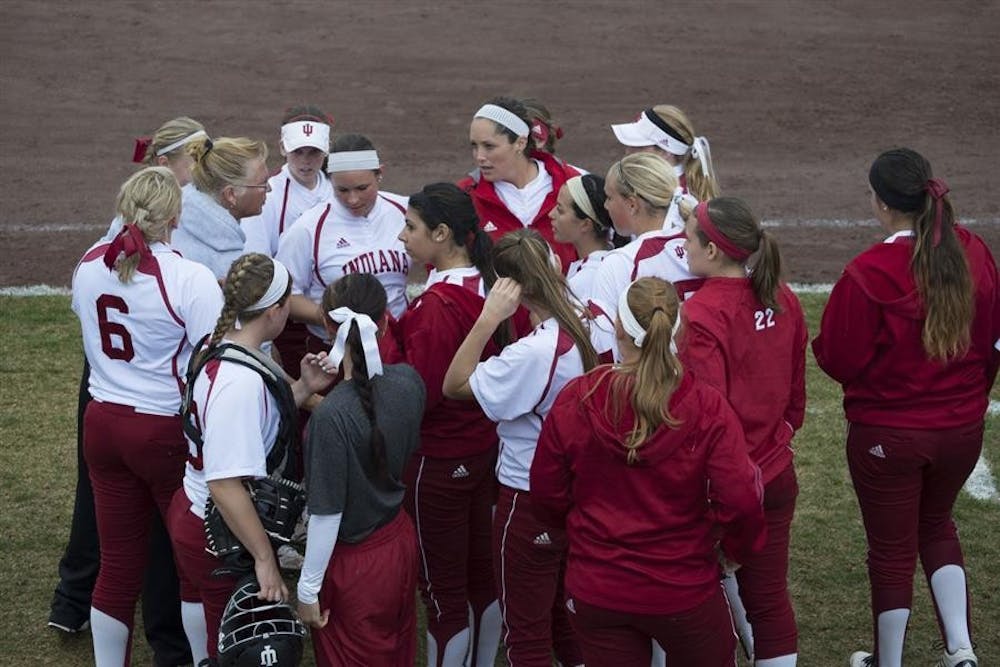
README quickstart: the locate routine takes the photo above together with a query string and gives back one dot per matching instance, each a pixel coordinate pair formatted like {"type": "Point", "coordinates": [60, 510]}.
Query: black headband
{"type": "Point", "coordinates": [655, 119]}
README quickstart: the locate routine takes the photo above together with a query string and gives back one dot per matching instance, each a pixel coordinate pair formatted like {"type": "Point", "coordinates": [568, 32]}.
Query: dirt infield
{"type": "Point", "coordinates": [796, 98]}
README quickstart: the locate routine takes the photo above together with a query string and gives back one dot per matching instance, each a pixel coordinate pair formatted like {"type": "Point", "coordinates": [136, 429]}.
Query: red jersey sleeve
{"type": "Point", "coordinates": [796, 411]}
{"type": "Point", "coordinates": [735, 487]}
{"type": "Point", "coordinates": [426, 335]}
{"type": "Point", "coordinates": [551, 476]}
{"type": "Point", "coordinates": [700, 352]}
{"type": "Point", "coordinates": [848, 331]}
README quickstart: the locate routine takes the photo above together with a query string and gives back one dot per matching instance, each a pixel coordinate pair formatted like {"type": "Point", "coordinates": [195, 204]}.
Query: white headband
{"type": "Point", "coordinates": [276, 290]}
{"type": "Point", "coordinates": [634, 329]}
{"type": "Point", "coordinates": [369, 343]}
{"type": "Point", "coordinates": [579, 194]}
{"type": "Point", "coordinates": [177, 144]}
{"type": "Point", "coordinates": [506, 118]}
{"type": "Point", "coordinates": [305, 133]}
{"type": "Point", "coordinates": [352, 161]}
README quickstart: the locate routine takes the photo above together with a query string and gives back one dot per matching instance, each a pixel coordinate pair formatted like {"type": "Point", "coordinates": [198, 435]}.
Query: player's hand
{"type": "Point", "coordinates": [314, 373]}
{"type": "Point", "coordinates": [502, 301]}
{"type": "Point", "coordinates": [272, 586]}
{"type": "Point", "coordinates": [312, 616]}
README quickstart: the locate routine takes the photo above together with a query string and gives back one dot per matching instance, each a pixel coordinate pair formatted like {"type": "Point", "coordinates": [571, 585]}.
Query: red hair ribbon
{"type": "Point", "coordinates": [141, 146]}
{"type": "Point", "coordinates": [718, 238]}
{"type": "Point", "coordinates": [540, 131]}
{"type": "Point", "coordinates": [937, 189]}
{"type": "Point", "coordinates": [128, 242]}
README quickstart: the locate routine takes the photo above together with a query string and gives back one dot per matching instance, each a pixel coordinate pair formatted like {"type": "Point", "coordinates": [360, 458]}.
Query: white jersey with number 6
{"type": "Point", "coordinates": [138, 335]}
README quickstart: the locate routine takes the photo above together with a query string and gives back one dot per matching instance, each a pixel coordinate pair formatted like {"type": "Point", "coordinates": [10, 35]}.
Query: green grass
{"type": "Point", "coordinates": [39, 372]}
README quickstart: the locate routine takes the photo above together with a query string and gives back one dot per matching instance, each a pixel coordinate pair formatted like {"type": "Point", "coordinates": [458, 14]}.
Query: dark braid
{"type": "Point", "coordinates": [363, 385]}
{"type": "Point", "coordinates": [364, 294]}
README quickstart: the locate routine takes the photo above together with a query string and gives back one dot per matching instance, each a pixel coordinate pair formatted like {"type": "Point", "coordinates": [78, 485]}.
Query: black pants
{"type": "Point", "coordinates": [161, 611]}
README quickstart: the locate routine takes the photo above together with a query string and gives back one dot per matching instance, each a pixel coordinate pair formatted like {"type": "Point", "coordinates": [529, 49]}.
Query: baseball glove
{"type": "Point", "coordinates": [279, 504]}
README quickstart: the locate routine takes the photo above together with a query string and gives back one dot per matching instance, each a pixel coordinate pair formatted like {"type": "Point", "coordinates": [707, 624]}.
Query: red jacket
{"type": "Point", "coordinates": [870, 342]}
{"type": "Point", "coordinates": [755, 357]}
{"type": "Point", "coordinates": [642, 537]}
{"type": "Point", "coordinates": [497, 220]}
{"type": "Point", "coordinates": [431, 331]}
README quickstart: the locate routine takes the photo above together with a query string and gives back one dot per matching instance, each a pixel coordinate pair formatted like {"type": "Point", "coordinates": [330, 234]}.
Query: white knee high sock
{"type": "Point", "coordinates": [490, 627]}
{"type": "Point", "coordinates": [781, 661]}
{"type": "Point", "coordinates": [739, 613]}
{"type": "Point", "coordinates": [193, 619]}
{"type": "Point", "coordinates": [659, 658]}
{"type": "Point", "coordinates": [891, 632]}
{"type": "Point", "coordinates": [110, 639]}
{"type": "Point", "coordinates": [948, 589]}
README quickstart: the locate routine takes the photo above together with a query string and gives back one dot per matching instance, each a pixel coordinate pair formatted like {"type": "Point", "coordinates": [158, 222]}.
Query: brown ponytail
{"type": "Point", "coordinates": [940, 267]}
{"type": "Point", "coordinates": [523, 255]}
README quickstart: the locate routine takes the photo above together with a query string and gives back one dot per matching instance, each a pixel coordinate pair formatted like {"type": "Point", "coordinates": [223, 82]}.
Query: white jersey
{"type": "Point", "coordinates": [466, 276]}
{"type": "Point", "coordinates": [287, 200]}
{"type": "Point", "coordinates": [138, 336]}
{"type": "Point", "coordinates": [239, 421]}
{"type": "Point", "coordinates": [656, 254]}
{"type": "Point", "coordinates": [517, 389]}
{"type": "Point", "coordinates": [581, 274]}
{"type": "Point", "coordinates": [328, 242]}
{"type": "Point", "coordinates": [525, 203]}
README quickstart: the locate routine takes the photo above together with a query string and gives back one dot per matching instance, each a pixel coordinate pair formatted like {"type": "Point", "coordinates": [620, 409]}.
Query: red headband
{"type": "Point", "coordinates": [718, 238]}
{"type": "Point", "coordinates": [128, 242]}
{"type": "Point", "coordinates": [937, 189]}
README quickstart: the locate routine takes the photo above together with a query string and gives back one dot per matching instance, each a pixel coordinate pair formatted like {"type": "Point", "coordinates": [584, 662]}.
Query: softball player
{"type": "Point", "coordinates": [637, 188]}
{"type": "Point", "coordinates": [629, 460]}
{"type": "Point", "coordinates": [80, 562]}
{"type": "Point", "coordinates": [168, 147]}
{"type": "Point", "coordinates": [666, 131]}
{"type": "Point", "coordinates": [744, 334]}
{"type": "Point", "coordinates": [230, 183]}
{"type": "Point", "coordinates": [239, 419]}
{"type": "Point", "coordinates": [514, 186]}
{"type": "Point", "coordinates": [139, 324]}
{"type": "Point", "coordinates": [355, 232]}
{"type": "Point", "coordinates": [516, 389]}
{"type": "Point", "coordinates": [580, 219]}
{"type": "Point", "coordinates": [450, 485]}
{"type": "Point", "coordinates": [360, 599]}
{"type": "Point", "coordinates": [909, 332]}
{"type": "Point", "coordinates": [299, 185]}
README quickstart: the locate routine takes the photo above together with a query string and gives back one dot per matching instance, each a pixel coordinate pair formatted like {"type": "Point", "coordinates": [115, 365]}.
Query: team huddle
{"type": "Point", "coordinates": [560, 405]}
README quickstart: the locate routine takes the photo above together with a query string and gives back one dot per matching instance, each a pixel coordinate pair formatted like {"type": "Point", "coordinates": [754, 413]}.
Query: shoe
{"type": "Point", "coordinates": [963, 657]}
{"type": "Point", "coordinates": [862, 659]}
{"type": "Point", "coordinates": [69, 628]}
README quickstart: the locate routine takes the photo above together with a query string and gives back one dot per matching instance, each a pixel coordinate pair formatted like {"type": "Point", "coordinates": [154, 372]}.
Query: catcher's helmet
{"type": "Point", "coordinates": [256, 632]}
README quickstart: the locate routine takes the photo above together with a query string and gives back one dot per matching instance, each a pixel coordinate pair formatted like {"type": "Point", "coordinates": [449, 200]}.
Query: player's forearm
{"type": "Point", "coordinates": [456, 379]}
{"type": "Point", "coordinates": [233, 501]}
{"type": "Point", "coordinates": [303, 309]}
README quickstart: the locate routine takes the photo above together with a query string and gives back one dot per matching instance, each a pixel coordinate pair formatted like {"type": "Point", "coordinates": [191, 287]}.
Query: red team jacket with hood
{"type": "Point", "coordinates": [870, 342]}
{"type": "Point", "coordinates": [756, 357]}
{"type": "Point", "coordinates": [642, 537]}
{"type": "Point", "coordinates": [431, 330]}
{"type": "Point", "coordinates": [496, 219]}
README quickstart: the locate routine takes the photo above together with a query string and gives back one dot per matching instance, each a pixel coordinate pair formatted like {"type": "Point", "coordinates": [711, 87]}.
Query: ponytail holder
{"type": "Point", "coordinates": [141, 147]}
{"type": "Point", "coordinates": [706, 225]}
{"type": "Point", "coordinates": [344, 316]}
{"type": "Point", "coordinates": [208, 146]}
{"type": "Point", "coordinates": [539, 131]}
{"type": "Point", "coordinates": [128, 242]}
{"type": "Point", "coordinates": [937, 189]}
{"type": "Point", "coordinates": [627, 317]}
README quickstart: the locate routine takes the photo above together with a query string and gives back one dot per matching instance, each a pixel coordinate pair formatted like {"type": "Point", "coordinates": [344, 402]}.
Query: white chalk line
{"type": "Point", "coordinates": [837, 223]}
{"type": "Point", "coordinates": [981, 484]}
